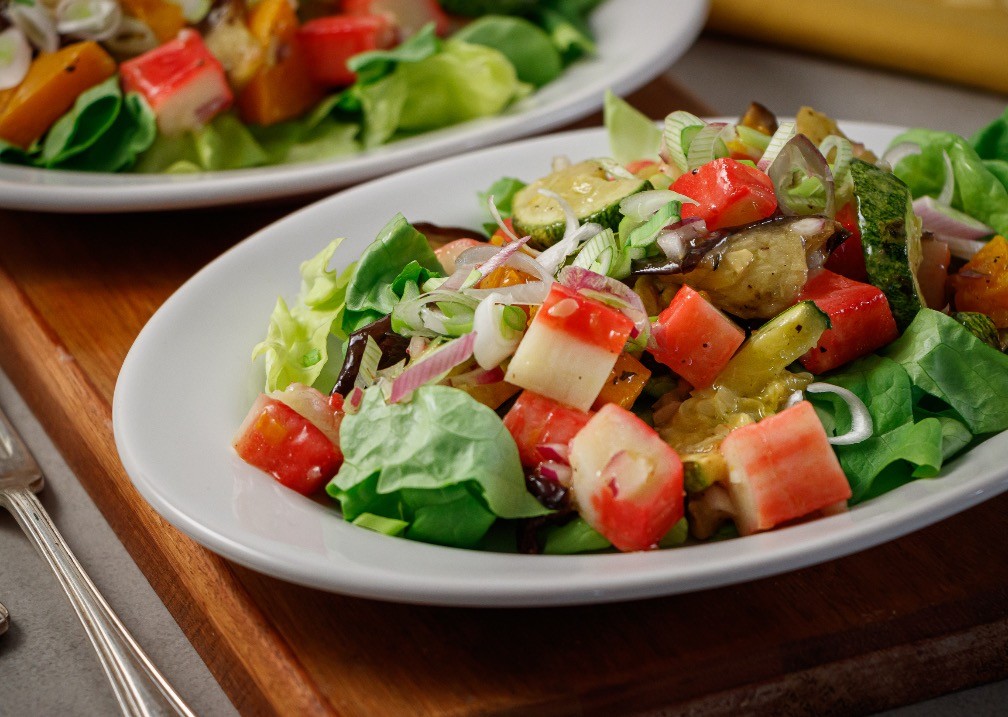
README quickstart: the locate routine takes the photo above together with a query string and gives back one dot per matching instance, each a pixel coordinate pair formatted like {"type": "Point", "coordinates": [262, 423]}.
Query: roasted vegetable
{"type": "Point", "coordinates": [757, 271]}
{"type": "Point", "coordinates": [53, 83]}
{"type": "Point", "coordinates": [982, 284]}
{"type": "Point", "coordinates": [890, 238]}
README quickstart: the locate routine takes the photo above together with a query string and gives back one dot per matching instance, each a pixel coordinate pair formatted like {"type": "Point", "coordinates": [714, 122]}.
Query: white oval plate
{"type": "Point", "coordinates": [636, 39]}
{"type": "Point", "coordinates": [187, 382]}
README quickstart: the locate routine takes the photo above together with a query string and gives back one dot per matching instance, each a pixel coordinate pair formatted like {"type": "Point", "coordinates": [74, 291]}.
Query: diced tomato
{"type": "Point", "coordinates": [409, 16]}
{"type": "Point", "coordinates": [694, 339]}
{"type": "Point", "coordinates": [729, 193]}
{"type": "Point", "coordinates": [182, 82]}
{"type": "Point", "coordinates": [328, 42]}
{"type": "Point", "coordinates": [848, 258]}
{"type": "Point", "coordinates": [279, 440]}
{"type": "Point", "coordinates": [586, 320]}
{"type": "Point", "coordinates": [781, 469]}
{"type": "Point", "coordinates": [932, 273]}
{"type": "Point", "coordinates": [627, 482]}
{"type": "Point", "coordinates": [859, 315]}
{"type": "Point", "coordinates": [982, 284]}
{"type": "Point", "coordinates": [534, 420]}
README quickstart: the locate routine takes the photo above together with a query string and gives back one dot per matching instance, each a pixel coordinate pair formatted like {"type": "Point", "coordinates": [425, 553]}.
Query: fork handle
{"type": "Point", "coordinates": [139, 688]}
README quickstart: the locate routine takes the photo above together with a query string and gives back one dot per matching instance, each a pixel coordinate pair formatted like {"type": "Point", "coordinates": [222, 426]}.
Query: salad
{"type": "Point", "coordinates": [719, 329]}
{"type": "Point", "coordinates": [193, 85]}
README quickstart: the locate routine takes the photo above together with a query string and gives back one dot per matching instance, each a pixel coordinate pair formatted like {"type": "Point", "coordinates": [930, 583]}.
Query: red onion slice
{"type": "Point", "coordinates": [440, 361]}
{"type": "Point", "coordinates": [478, 377]}
{"type": "Point", "coordinates": [960, 231]}
{"type": "Point", "coordinates": [559, 452]}
{"type": "Point", "coordinates": [800, 154]}
{"type": "Point", "coordinates": [556, 471]}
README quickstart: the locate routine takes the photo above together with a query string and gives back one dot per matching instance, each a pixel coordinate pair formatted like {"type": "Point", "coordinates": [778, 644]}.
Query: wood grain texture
{"type": "Point", "coordinates": [905, 621]}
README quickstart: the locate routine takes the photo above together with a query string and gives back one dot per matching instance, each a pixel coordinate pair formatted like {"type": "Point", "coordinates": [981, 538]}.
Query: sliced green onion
{"type": "Point", "coordinates": [591, 251]}
{"type": "Point", "coordinates": [648, 232]}
{"type": "Point", "coordinates": [15, 57]}
{"type": "Point", "coordinates": [753, 138]}
{"type": "Point", "coordinates": [368, 373]}
{"type": "Point", "coordinates": [88, 19]}
{"type": "Point", "coordinates": [785, 131]}
{"type": "Point", "coordinates": [674, 137]}
{"type": "Point", "coordinates": [708, 145]}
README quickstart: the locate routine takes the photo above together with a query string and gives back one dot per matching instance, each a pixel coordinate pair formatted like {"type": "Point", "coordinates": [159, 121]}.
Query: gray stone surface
{"type": "Point", "coordinates": [47, 664]}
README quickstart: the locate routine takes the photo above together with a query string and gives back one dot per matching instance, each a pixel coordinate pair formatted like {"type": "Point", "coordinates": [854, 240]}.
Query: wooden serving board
{"type": "Point", "coordinates": [917, 617]}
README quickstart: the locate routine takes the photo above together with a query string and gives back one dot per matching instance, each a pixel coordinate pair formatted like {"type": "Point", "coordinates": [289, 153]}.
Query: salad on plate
{"type": "Point", "coordinates": [192, 85]}
{"type": "Point", "coordinates": [722, 328]}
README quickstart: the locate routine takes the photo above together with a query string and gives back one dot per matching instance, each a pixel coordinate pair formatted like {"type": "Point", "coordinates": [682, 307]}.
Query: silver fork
{"type": "Point", "coordinates": [138, 686]}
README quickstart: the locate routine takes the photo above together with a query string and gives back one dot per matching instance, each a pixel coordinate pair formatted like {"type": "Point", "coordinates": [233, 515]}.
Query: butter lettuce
{"type": "Point", "coordinates": [370, 294]}
{"type": "Point", "coordinates": [632, 135]}
{"type": "Point", "coordinates": [459, 83]}
{"type": "Point", "coordinates": [978, 191]}
{"type": "Point", "coordinates": [932, 393]}
{"type": "Point", "coordinates": [527, 46]}
{"type": "Point", "coordinates": [303, 338]}
{"type": "Point", "coordinates": [443, 463]}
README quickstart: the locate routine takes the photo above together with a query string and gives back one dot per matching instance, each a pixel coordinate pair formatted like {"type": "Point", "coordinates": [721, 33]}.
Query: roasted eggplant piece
{"type": "Point", "coordinates": [758, 270]}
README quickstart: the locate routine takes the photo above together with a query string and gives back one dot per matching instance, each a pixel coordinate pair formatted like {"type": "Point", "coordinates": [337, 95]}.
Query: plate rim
{"type": "Point", "coordinates": [652, 578]}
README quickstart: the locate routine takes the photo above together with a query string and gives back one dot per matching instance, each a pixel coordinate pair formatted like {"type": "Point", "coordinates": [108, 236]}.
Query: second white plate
{"type": "Point", "coordinates": [636, 39]}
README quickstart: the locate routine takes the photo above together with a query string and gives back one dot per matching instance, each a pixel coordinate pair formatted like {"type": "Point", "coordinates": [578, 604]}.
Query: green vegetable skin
{"type": "Point", "coordinates": [890, 237]}
{"type": "Point", "coordinates": [423, 84]}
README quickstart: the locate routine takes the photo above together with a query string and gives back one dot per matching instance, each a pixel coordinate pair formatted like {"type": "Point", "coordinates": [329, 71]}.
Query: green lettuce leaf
{"type": "Point", "coordinates": [303, 338]}
{"type": "Point", "coordinates": [372, 66]}
{"type": "Point", "coordinates": [991, 142]}
{"type": "Point", "coordinates": [503, 192]}
{"type": "Point", "coordinates": [102, 132]}
{"type": "Point", "coordinates": [535, 58]}
{"type": "Point", "coordinates": [460, 83]}
{"type": "Point", "coordinates": [442, 462]}
{"type": "Point", "coordinates": [948, 362]}
{"type": "Point", "coordinates": [575, 536]}
{"type": "Point", "coordinates": [978, 192]}
{"type": "Point", "coordinates": [566, 23]}
{"type": "Point", "coordinates": [370, 295]}
{"type": "Point", "coordinates": [632, 135]}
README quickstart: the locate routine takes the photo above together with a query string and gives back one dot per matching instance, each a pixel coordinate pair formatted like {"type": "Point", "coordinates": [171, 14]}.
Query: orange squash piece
{"type": "Point", "coordinates": [982, 284]}
{"type": "Point", "coordinates": [625, 383]}
{"type": "Point", "coordinates": [282, 89]}
{"type": "Point", "coordinates": [52, 85]}
{"type": "Point", "coordinates": [164, 18]}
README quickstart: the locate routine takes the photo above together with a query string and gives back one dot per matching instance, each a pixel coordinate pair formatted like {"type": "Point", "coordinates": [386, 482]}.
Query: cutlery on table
{"type": "Point", "coordinates": [138, 686]}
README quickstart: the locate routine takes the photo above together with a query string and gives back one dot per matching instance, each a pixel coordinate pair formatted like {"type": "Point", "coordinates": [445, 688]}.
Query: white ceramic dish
{"type": "Point", "coordinates": [637, 39]}
{"type": "Point", "coordinates": [187, 382]}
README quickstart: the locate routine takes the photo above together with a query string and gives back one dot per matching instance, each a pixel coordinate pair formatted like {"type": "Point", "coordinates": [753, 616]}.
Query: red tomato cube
{"type": "Point", "coordinates": [279, 440]}
{"type": "Point", "coordinates": [694, 339]}
{"type": "Point", "coordinates": [328, 42]}
{"type": "Point", "coordinates": [627, 482]}
{"type": "Point", "coordinates": [728, 194]}
{"type": "Point", "coordinates": [534, 420]}
{"type": "Point", "coordinates": [781, 469]}
{"type": "Point", "coordinates": [182, 82]}
{"type": "Point", "coordinates": [848, 258]}
{"type": "Point", "coordinates": [859, 316]}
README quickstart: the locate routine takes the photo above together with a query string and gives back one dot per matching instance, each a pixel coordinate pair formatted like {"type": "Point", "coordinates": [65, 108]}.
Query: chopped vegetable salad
{"type": "Point", "coordinates": [722, 328]}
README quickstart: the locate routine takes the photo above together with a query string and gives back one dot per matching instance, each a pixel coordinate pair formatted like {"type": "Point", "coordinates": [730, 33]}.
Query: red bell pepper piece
{"type": "Point", "coordinates": [328, 42]}
{"type": "Point", "coordinates": [860, 319]}
{"type": "Point", "coordinates": [729, 194]}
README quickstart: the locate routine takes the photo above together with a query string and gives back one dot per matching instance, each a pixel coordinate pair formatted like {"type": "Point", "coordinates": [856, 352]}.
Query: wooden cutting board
{"type": "Point", "coordinates": [915, 618]}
